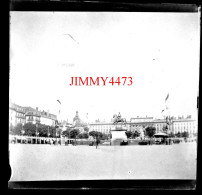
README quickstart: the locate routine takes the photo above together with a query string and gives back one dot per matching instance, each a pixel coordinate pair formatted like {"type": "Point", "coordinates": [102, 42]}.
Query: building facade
{"type": "Point", "coordinates": [16, 114]}
{"type": "Point", "coordinates": [102, 127]}
{"type": "Point", "coordinates": [32, 115]}
{"type": "Point", "coordinates": [48, 119]}
{"type": "Point", "coordinates": [19, 114]}
{"type": "Point", "coordinates": [35, 116]}
{"type": "Point", "coordinates": [139, 124]}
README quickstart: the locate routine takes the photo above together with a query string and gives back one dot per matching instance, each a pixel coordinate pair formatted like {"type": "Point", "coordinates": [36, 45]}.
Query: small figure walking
{"type": "Point", "coordinates": [97, 141]}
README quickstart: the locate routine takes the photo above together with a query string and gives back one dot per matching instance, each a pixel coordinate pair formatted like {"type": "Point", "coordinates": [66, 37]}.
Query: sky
{"type": "Point", "coordinates": [160, 51]}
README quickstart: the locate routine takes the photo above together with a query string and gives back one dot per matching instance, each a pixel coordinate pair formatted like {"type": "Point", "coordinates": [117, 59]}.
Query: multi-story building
{"type": "Point", "coordinates": [48, 119]}
{"type": "Point", "coordinates": [102, 127]}
{"type": "Point", "coordinates": [142, 119]}
{"type": "Point", "coordinates": [32, 115]}
{"type": "Point", "coordinates": [19, 114]}
{"type": "Point", "coordinates": [140, 123]}
{"type": "Point", "coordinates": [181, 125]}
{"type": "Point", "coordinates": [35, 116]}
{"type": "Point", "coordinates": [16, 114]}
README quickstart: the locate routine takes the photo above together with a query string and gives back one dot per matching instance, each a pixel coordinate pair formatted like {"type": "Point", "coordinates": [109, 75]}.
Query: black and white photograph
{"type": "Point", "coordinates": [103, 95]}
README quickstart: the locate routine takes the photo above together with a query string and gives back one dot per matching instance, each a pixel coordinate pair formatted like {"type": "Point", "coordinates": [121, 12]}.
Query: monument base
{"type": "Point", "coordinates": [118, 135]}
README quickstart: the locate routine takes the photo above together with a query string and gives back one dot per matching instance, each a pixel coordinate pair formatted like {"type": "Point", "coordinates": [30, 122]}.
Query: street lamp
{"type": "Point", "coordinates": [37, 133]}
{"type": "Point", "coordinates": [22, 133]}
{"type": "Point", "coordinates": [36, 129]}
{"type": "Point", "coordinates": [48, 132]}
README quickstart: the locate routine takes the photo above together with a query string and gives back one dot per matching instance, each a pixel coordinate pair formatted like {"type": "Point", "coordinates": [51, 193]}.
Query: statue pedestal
{"type": "Point", "coordinates": [118, 134]}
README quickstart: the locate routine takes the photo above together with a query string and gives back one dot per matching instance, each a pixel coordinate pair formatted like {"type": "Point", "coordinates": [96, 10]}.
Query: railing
{"type": "Point", "coordinates": [36, 140]}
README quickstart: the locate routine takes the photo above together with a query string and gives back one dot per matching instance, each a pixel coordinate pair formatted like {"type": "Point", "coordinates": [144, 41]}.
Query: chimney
{"type": "Point", "coordinates": [36, 108]}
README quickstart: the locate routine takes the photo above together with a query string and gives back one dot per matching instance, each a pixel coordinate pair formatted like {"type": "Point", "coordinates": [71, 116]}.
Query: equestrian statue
{"type": "Point", "coordinates": [118, 119]}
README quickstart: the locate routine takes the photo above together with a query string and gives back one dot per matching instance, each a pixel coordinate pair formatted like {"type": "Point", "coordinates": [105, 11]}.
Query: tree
{"type": "Point", "coordinates": [129, 134]}
{"type": "Point", "coordinates": [43, 130]}
{"type": "Point", "coordinates": [178, 134]}
{"type": "Point", "coordinates": [16, 130]}
{"type": "Point", "coordinates": [74, 133]}
{"type": "Point", "coordinates": [96, 134]}
{"type": "Point", "coordinates": [67, 132]}
{"type": "Point", "coordinates": [83, 135]}
{"type": "Point", "coordinates": [150, 131]}
{"type": "Point", "coordinates": [171, 134]}
{"type": "Point", "coordinates": [185, 134]}
{"type": "Point", "coordinates": [93, 133]}
{"type": "Point", "coordinates": [135, 134]}
{"type": "Point", "coordinates": [30, 129]}
{"type": "Point", "coordinates": [104, 136]}
{"type": "Point", "coordinates": [86, 129]}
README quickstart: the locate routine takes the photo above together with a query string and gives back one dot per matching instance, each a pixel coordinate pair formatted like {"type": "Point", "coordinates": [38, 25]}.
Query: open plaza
{"type": "Point", "coordinates": [37, 162]}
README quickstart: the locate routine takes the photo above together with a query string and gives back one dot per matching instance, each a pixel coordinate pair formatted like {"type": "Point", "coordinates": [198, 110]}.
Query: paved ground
{"type": "Point", "coordinates": [49, 162]}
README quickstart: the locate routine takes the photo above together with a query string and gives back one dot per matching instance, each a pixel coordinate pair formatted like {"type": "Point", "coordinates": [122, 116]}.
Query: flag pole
{"type": "Point", "coordinates": [59, 120]}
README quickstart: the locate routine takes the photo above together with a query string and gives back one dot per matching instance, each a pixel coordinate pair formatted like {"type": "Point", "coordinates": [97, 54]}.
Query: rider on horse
{"type": "Point", "coordinates": [119, 117]}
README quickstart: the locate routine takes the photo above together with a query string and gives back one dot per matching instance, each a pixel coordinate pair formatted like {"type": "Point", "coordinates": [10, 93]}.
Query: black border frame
{"type": "Point", "coordinates": [108, 6]}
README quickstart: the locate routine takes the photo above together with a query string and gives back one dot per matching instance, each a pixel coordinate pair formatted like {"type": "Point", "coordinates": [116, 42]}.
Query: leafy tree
{"type": "Point", "coordinates": [83, 135]}
{"type": "Point", "coordinates": [178, 134]}
{"type": "Point", "coordinates": [43, 130]}
{"type": "Point", "coordinates": [52, 131]}
{"type": "Point", "coordinates": [171, 134]}
{"type": "Point", "coordinates": [150, 131]}
{"type": "Point", "coordinates": [11, 129]}
{"type": "Point", "coordinates": [129, 134]}
{"type": "Point", "coordinates": [93, 133]}
{"type": "Point", "coordinates": [16, 130]}
{"type": "Point", "coordinates": [74, 133]}
{"type": "Point", "coordinates": [185, 134]}
{"type": "Point", "coordinates": [104, 136]}
{"type": "Point", "coordinates": [96, 134]}
{"type": "Point", "coordinates": [86, 129]}
{"type": "Point", "coordinates": [30, 129]}
{"type": "Point", "coordinates": [135, 134]}
{"type": "Point", "coordinates": [67, 132]}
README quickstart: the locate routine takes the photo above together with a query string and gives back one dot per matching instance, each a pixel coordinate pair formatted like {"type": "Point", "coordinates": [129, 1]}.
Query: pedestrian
{"type": "Point", "coordinates": [97, 141]}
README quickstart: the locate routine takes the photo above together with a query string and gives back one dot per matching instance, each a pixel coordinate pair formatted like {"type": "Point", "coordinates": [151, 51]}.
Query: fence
{"type": "Point", "coordinates": [67, 141]}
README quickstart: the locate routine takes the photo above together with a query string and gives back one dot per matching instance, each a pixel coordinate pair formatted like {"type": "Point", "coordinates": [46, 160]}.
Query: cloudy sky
{"type": "Point", "coordinates": [160, 51]}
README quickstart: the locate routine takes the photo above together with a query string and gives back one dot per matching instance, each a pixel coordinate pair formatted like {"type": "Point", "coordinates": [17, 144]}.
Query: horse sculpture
{"type": "Point", "coordinates": [118, 119]}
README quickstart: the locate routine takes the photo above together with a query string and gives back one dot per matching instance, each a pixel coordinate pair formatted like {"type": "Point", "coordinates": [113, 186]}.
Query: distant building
{"type": "Point", "coordinates": [102, 127]}
{"type": "Point", "coordinates": [48, 118]}
{"type": "Point", "coordinates": [188, 125]}
{"type": "Point", "coordinates": [140, 123]}
{"type": "Point", "coordinates": [32, 115]}
{"type": "Point", "coordinates": [76, 119]}
{"type": "Point", "coordinates": [16, 114]}
{"type": "Point", "coordinates": [142, 119]}
{"type": "Point", "coordinates": [19, 114]}
{"type": "Point", "coordinates": [78, 123]}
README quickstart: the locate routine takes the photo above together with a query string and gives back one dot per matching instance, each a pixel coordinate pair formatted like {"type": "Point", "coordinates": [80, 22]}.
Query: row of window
{"type": "Point", "coordinates": [20, 114]}
{"type": "Point", "coordinates": [20, 120]}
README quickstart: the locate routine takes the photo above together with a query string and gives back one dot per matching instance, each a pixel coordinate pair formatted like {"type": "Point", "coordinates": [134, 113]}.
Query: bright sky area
{"type": "Point", "coordinates": [160, 51]}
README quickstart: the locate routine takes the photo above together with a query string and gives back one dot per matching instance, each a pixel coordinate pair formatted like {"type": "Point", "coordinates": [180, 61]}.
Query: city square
{"type": "Point", "coordinates": [50, 162]}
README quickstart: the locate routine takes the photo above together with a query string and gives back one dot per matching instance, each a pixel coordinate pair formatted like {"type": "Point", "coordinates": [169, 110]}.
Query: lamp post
{"type": "Point", "coordinates": [22, 133]}
{"type": "Point", "coordinates": [48, 132]}
{"type": "Point", "coordinates": [37, 133]}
